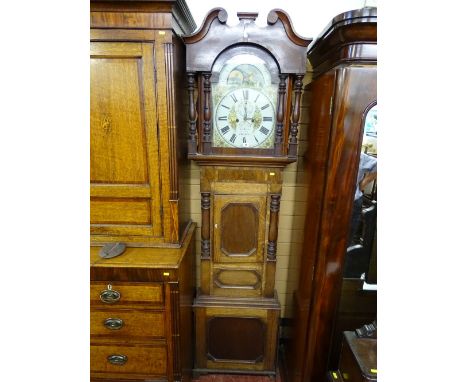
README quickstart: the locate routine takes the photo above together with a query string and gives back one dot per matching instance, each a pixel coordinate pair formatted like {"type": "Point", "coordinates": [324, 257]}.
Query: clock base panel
{"type": "Point", "coordinates": [236, 335]}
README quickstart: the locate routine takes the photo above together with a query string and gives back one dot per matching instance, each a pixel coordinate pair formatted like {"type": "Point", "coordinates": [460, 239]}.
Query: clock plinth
{"type": "Point", "coordinates": [245, 86]}
{"type": "Point", "coordinates": [239, 334]}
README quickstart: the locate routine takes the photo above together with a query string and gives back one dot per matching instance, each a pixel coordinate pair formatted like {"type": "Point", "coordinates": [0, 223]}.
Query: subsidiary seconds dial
{"type": "Point", "coordinates": [245, 118]}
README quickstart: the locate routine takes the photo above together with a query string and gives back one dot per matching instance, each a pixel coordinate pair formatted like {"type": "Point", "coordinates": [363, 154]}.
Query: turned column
{"type": "Point", "coordinates": [192, 143]}
{"type": "Point", "coordinates": [296, 113]}
{"type": "Point", "coordinates": [271, 246]}
{"type": "Point", "coordinates": [280, 115]}
{"type": "Point", "coordinates": [205, 242]}
{"type": "Point", "coordinates": [206, 113]}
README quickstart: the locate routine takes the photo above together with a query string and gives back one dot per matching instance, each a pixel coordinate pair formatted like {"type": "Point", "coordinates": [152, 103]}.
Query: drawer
{"type": "Point", "coordinates": [141, 359]}
{"type": "Point", "coordinates": [132, 323]}
{"type": "Point", "coordinates": [119, 294]}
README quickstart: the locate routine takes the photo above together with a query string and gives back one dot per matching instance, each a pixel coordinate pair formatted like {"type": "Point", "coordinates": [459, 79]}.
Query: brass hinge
{"type": "Point", "coordinates": [331, 105]}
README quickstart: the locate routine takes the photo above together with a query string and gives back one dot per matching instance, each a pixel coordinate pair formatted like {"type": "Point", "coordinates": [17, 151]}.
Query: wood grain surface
{"type": "Point", "coordinates": [136, 323]}
{"type": "Point", "coordinates": [341, 91]}
{"type": "Point", "coordinates": [142, 359]}
{"type": "Point", "coordinates": [136, 83]}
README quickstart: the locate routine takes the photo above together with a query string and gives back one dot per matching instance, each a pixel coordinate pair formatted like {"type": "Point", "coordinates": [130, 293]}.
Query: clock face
{"type": "Point", "coordinates": [244, 104]}
{"type": "Point", "coordinates": [245, 117]}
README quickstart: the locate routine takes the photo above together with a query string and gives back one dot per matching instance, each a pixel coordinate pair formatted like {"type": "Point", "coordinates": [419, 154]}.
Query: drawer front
{"type": "Point", "coordinates": [141, 359]}
{"type": "Point", "coordinates": [117, 323]}
{"type": "Point", "coordinates": [120, 294]}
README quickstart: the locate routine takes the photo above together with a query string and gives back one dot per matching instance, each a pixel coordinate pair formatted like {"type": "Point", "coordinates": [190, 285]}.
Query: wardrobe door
{"type": "Point", "coordinates": [125, 196]}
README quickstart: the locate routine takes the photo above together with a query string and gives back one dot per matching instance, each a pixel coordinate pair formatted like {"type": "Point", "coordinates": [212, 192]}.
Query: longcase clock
{"type": "Point", "coordinates": [244, 85]}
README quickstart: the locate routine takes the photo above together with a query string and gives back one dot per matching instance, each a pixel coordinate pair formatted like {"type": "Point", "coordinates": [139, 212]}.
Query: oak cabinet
{"type": "Point", "coordinates": [141, 301]}
{"type": "Point", "coordinates": [138, 120]}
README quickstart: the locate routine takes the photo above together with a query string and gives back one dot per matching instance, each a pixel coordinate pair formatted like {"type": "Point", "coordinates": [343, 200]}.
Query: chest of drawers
{"type": "Point", "coordinates": [141, 320]}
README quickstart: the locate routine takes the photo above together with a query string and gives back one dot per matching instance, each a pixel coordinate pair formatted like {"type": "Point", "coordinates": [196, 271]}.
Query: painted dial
{"type": "Point", "coordinates": [245, 118]}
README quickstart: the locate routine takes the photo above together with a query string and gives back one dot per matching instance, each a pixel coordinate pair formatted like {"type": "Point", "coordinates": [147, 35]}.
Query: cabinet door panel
{"type": "Point", "coordinates": [118, 148]}
{"type": "Point", "coordinates": [236, 339]}
{"type": "Point", "coordinates": [120, 211]}
{"type": "Point", "coordinates": [239, 228]}
{"type": "Point", "coordinates": [124, 145]}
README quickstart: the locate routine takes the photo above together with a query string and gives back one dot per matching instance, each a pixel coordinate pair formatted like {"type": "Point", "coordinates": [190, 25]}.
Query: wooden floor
{"type": "Point", "coordinates": [236, 378]}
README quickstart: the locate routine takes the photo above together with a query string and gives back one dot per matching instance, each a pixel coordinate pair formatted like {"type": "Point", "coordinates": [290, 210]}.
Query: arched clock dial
{"type": "Point", "coordinates": [245, 118]}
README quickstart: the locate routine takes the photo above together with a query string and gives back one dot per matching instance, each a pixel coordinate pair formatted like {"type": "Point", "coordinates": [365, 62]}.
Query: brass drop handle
{"type": "Point", "coordinates": [117, 359]}
{"type": "Point", "coordinates": [113, 323]}
{"type": "Point", "coordinates": [110, 296]}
